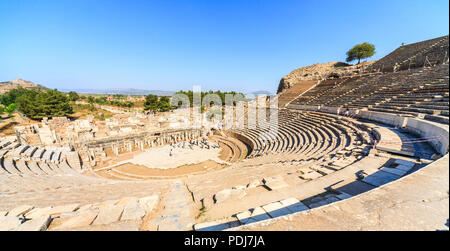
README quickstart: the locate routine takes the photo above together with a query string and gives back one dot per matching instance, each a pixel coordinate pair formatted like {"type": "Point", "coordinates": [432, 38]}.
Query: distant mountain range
{"type": "Point", "coordinates": [9, 85]}
{"type": "Point", "coordinates": [128, 91]}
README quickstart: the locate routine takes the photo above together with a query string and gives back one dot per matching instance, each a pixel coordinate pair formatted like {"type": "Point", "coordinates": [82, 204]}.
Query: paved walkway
{"type": "Point", "coordinates": [178, 209]}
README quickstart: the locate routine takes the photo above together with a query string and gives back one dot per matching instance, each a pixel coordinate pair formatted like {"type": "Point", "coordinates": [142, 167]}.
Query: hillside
{"type": "Point", "coordinates": [320, 72]}
{"type": "Point", "coordinates": [16, 83]}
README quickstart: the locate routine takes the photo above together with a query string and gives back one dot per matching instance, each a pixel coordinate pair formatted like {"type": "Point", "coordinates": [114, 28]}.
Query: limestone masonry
{"type": "Point", "coordinates": [360, 147]}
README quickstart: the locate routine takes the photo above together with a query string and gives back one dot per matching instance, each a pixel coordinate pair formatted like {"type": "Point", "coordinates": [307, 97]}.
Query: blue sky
{"type": "Point", "coordinates": [244, 45]}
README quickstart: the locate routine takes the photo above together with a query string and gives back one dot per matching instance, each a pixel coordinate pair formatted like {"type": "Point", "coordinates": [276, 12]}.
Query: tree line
{"type": "Point", "coordinates": [36, 104]}
{"type": "Point", "coordinates": [154, 103]}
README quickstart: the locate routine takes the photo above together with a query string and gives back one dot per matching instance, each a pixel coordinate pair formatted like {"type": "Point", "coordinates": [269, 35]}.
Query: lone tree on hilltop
{"type": "Point", "coordinates": [360, 51]}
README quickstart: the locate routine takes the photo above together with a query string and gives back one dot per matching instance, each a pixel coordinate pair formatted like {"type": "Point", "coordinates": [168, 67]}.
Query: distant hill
{"type": "Point", "coordinates": [128, 91]}
{"type": "Point", "coordinates": [16, 83]}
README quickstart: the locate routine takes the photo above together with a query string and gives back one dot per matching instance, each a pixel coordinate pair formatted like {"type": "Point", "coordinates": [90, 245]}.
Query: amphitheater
{"type": "Point", "coordinates": [363, 149]}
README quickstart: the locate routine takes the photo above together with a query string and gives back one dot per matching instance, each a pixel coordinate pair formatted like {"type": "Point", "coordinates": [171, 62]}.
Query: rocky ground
{"type": "Point", "coordinates": [321, 71]}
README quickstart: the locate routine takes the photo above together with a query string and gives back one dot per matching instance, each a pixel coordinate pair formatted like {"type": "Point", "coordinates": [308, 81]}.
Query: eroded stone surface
{"type": "Point", "coordinates": [380, 178]}
{"type": "Point", "coordinates": [133, 211]}
{"type": "Point", "coordinates": [84, 218]}
{"type": "Point", "coordinates": [244, 217]}
{"type": "Point", "coordinates": [395, 171]}
{"type": "Point", "coordinates": [276, 209]}
{"type": "Point", "coordinates": [391, 207]}
{"type": "Point", "coordinates": [36, 224]}
{"type": "Point", "coordinates": [20, 210]}
{"type": "Point", "coordinates": [294, 205]}
{"type": "Point", "coordinates": [229, 194]}
{"type": "Point", "coordinates": [217, 225]}
{"type": "Point", "coordinates": [58, 210]}
{"type": "Point", "coordinates": [148, 203]}
{"type": "Point", "coordinates": [108, 215]}
{"type": "Point", "coordinates": [311, 176]}
{"type": "Point", "coordinates": [37, 212]}
{"type": "Point", "coordinates": [8, 223]}
{"type": "Point", "coordinates": [258, 214]}
{"type": "Point", "coordinates": [274, 183]}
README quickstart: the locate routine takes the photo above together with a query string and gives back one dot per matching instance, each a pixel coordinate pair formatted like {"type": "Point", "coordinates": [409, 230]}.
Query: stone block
{"type": "Point", "coordinates": [244, 217]}
{"type": "Point", "coordinates": [227, 194]}
{"type": "Point", "coordinates": [311, 176]}
{"type": "Point", "coordinates": [403, 168]}
{"type": "Point", "coordinates": [36, 224]}
{"type": "Point", "coordinates": [276, 209]}
{"type": "Point", "coordinates": [84, 218]}
{"type": "Point", "coordinates": [258, 214]}
{"type": "Point", "coordinates": [8, 223]}
{"type": "Point", "coordinates": [274, 183]}
{"type": "Point", "coordinates": [133, 211]}
{"type": "Point", "coordinates": [108, 215]}
{"type": "Point", "coordinates": [393, 171]}
{"type": "Point", "coordinates": [20, 210]}
{"type": "Point", "coordinates": [107, 203]}
{"type": "Point", "coordinates": [294, 205]}
{"type": "Point", "coordinates": [85, 207]}
{"type": "Point", "coordinates": [322, 201]}
{"type": "Point", "coordinates": [380, 178]}
{"type": "Point", "coordinates": [254, 184]}
{"type": "Point", "coordinates": [58, 210]}
{"type": "Point", "coordinates": [404, 162]}
{"type": "Point", "coordinates": [149, 203]}
{"type": "Point", "coordinates": [125, 200]}
{"type": "Point", "coordinates": [217, 225]}
{"type": "Point", "coordinates": [325, 171]}
{"type": "Point", "coordinates": [37, 212]}
{"type": "Point", "coordinates": [343, 196]}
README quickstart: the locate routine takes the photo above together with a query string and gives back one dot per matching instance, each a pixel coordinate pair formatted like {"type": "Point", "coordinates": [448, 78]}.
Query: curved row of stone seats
{"type": "Point", "coordinates": [414, 55]}
{"type": "Point", "coordinates": [425, 178]}
{"type": "Point", "coordinates": [391, 85]}
{"type": "Point", "coordinates": [388, 171]}
{"type": "Point", "coordinates": [245, 185]}
{"type": "Point", "coordinates": [411, 92]}
{"type": "Point", "coordinates": [236, 148]}
{"type": "Point", "coordinates": [302, 136]}
{"type": "Point", "coordinates": [293, 92]}
{"type": "Point", "coordinates": [328, 95]}
{"type": "Point", "coordinates": [431, 99]}
{"type": "Point", "coordinates": [16, 158]}
{"type": "Point", "coordinates": [366, 87]}
{"type": "Point", "coordinates": [319, 90]}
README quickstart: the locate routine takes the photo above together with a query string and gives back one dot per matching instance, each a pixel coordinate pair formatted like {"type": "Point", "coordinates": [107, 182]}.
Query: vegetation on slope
{"type": "Point", "coordinates": [37, 104]}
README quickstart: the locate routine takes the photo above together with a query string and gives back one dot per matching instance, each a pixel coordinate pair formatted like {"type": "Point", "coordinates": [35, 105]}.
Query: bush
{"type": "Point", "coordinates": [10, 109]}
{"type": "Point", "coordinates": [73, 96]}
